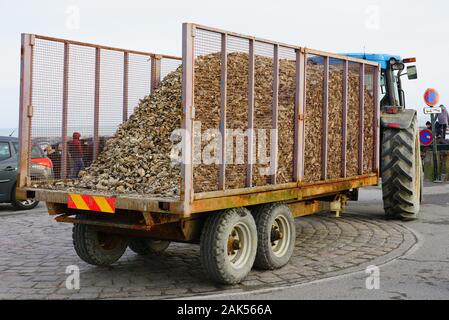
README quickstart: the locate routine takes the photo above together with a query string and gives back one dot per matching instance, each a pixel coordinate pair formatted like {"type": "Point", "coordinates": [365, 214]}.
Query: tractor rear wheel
{"type": "Point", "coordinates": [401, 172]}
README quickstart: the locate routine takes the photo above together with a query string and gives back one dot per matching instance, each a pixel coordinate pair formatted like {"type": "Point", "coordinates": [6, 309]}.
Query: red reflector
{"type": "Point", "coordinates": [409, 60]}
{"type": "Point", "coordinates": [394, 125]}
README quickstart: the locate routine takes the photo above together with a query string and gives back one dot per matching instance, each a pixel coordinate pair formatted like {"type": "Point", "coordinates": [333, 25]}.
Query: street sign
{"type": "Point", "coordinates": [431, 97]}
{"type": "Point", "coordinates": [426, 137]}
{"type": "Point", "coordinates": [433, 110]}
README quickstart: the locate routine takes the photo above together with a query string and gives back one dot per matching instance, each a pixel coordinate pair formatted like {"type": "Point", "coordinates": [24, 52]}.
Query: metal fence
{"type": "Point", "coordinates": [315, 112]}
{"type": "Point", "coordinates": [69, 87]}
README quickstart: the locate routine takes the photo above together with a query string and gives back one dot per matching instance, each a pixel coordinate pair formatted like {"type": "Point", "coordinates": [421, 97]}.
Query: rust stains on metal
{"type": "Point", "coordinates": [305, 208]}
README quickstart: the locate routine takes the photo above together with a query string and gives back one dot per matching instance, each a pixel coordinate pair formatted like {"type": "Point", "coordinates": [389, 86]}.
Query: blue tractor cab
{"type": "Point", "coordinates": [392, 70]}
{"type": "Point", "coordinates": [382, 59]}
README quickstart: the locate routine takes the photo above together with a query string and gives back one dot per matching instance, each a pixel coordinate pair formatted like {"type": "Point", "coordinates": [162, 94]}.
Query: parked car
{"type": "Point", "coordinates": [41, 168]}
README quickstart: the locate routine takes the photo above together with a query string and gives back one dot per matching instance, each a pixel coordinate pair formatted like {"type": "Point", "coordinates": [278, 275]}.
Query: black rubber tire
{"type": "Point", "coordinates": [18, 205]}
{"type": "Point", "coordinates": [144, 247]}
{"type": "Point", "coordinates": [265, 216]}
{"type": "Point", "coordinates": [213, 246]}
{"type": "Point", "coordinates": [89, 249]}
{"type": "Point", "coordinates": [401, 172]}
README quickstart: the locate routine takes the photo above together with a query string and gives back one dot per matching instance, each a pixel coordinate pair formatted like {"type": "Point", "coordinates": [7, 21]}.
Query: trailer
{"type": "Point", "coordinates": [244, 219]}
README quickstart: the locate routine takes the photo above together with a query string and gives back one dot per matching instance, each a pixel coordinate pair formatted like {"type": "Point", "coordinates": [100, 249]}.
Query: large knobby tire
{"type": "Point", "coordinates": [276, 236]}
{"type": "Point", "coordinates": [229, 245]}
{"type": "Point", "coordinates": [144, 247]}
{"type": "Point", "coordinates": [401, 172]}
{"type": "Point", "coordinates": [97, 248]}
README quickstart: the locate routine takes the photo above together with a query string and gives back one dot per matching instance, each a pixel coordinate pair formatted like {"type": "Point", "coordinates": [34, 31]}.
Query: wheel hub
{"type": "Point", "coordinates": [238, 245]}
{"type": "Point", "coordinates": [234, 243]}
{"type": "Point", "coordinates": [276, 235]}
{"type": "Point", "coordinates": [280, 236]}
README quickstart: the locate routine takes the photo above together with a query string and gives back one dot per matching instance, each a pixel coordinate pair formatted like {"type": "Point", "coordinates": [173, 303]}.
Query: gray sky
{"type": "Point", "coordinates": [397, 27]}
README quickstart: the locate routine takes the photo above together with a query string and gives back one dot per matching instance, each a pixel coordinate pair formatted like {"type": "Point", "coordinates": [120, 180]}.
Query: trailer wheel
{"type": "Point", "coordinates": [229, 245]}
{"type": "Point", "coordinates": [144, 247]}
{"type": "Point", "coordinates": [401, 172]}
{"type": "Point", "coordinates": [276, 236]}
{"type": "Point", "coordinates": [97, 248]}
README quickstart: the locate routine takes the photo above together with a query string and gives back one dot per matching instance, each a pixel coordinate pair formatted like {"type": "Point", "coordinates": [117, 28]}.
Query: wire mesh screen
{"type": "Point", "coordinates": [47, 94]}
{"type": "Point", "coordinates": [81, 94]}
{"type": "Point", "coordinates": [286, 114]}
{"type": "Point", "coordinates": [335, 133]}
{"type": "Point", "coordinates": [207, 97]}
{"type": "Point", "coordinates": [111, 94]}
{"type": "Point", "coordinates": [80, 109]}
{"type": "Point", "coordinates": [168, 66]}
{"type": "Point", "coordinates": [237, 113]}
{"type": "Point", "coordinates": [263, 111]}
{"type": "Point", "coordinates": [139, 80]}
{"type": "Point", "coordinates": [369, 107]}
{"type": "Point", "coordinates": [314, 118]}
{"type": "Point", "coordinates": [353, 119]}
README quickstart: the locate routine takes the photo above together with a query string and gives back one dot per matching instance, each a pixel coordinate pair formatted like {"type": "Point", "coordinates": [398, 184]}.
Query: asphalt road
{"type": "Point", "coordinates": [420, 273]}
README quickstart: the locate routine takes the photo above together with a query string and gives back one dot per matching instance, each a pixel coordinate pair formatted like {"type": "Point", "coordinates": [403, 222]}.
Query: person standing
{"type": "Point", "coordinates": [76, 155]}
{"type": "Point", "coordinates": [443, 119]}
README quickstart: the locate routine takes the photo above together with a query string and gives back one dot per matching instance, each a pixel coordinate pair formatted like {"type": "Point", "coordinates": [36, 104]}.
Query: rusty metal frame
{"type": "Point", "coordinates": [361, 119]}
{"type": "Point", "coordinates": [251, 130]}
{"type": "Point", "coordinates": [325, 141]}
{"type": "Point", "coordinates": [26, 107]}
{"type": "Point", "coordinates": [155, 72]}
{"type": "Point", "coordinates": [223, 103]}
{"type": "Point", "coordinates": [376, 124]}
{"type": "Point", "coordinates": [97, 46]}
{"type": "Point", "coordinates": [274, 136]}
{"type": "Point", "coordinates": [97, 103]}
{"type": "Point", "coordinates": [344, 168]}
{"type": "Point", "coordinates": [125, 85]}
{"type": "Point", "coordinates": [188, 62]}
{"type": "Point", "coordinates": [298, 156]}
{"type": "Point", "coordinates": [256, 196]}
{"type": "Point", "coordinates": [220, 200]}
{"type": "Point", "coordinates": [340, 57]}
{"type": "Point", "coordinates": [65, 111]}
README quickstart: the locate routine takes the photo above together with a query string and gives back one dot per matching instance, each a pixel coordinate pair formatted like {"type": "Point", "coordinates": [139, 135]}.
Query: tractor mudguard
{"type": "Point", "coordinates": [402, 120]}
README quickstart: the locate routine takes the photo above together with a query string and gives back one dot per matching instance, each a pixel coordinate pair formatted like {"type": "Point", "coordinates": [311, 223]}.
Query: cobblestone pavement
{"type": "Point", "coordinates": [35, 252]}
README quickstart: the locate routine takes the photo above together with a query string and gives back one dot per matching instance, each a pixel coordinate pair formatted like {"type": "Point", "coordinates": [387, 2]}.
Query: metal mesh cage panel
{"type": "Point", "coordinates": [111, 93]}
{"type": "Point", "coordinates": [286, 114]}
{"type": "Point", "coordinates": [81, 94]}
{"type": "Point", "coordinates": [314, 118]}
{"type": "Point", "coordinates": [353, 119]}
{"type": "Point", "coordinates": [47, 93]}
{"type": "Point", "coordinates": [335, 134]}
{"type": "Point", "coordinates": [168, 66]}
{"type": "Point", "coordinates": [139, 80]}
{"type": "Point", "coordinates": [80, 107]}
{"type": "Point", "coordinates": [237, 113]}
{"type": "Point", "coordinates": [369, 107]}
{"type": "Point", "coordinates": [207, 97]}
{"type": "Point", "coordinates": [263, 117]}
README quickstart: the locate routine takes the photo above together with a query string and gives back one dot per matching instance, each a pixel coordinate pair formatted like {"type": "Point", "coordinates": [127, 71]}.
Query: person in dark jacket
{"type": "Point", "coordinates": [76, 155]}
{"type": "Point", "coordinates": [443, 119]}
